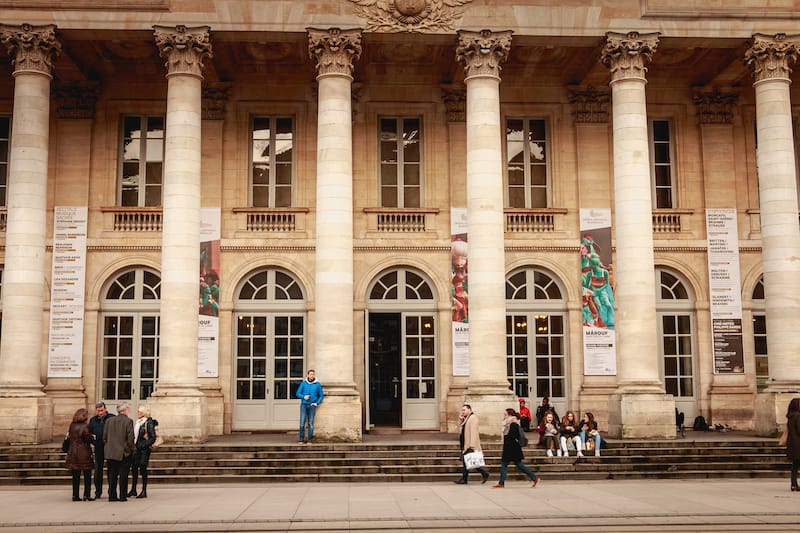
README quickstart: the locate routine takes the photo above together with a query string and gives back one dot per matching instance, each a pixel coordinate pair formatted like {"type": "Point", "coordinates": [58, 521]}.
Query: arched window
{"type": "Point", "coordinates": [129, 347]}
{"type": "Point", "coordinates": [536, 337]}
{"type": "Point", "coordinates": [760, 336]}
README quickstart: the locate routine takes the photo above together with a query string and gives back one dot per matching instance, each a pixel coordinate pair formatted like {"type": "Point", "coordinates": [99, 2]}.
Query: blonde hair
{"type": "Point", "coordinates": [143, 409]}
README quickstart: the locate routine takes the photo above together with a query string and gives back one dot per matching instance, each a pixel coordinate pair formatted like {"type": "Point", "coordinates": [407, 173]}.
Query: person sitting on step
{"type": "Point", "coordinates": [570, 434]}
{"type": "Point", "coordinates": [588, 430]}
{"type": "Point", "coordinates": [550, 435]}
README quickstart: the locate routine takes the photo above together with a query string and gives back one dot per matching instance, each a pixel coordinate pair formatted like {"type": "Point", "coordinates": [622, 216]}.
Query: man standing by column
{"type": "Point", "coordinates": [311, 395]}
{"type": "Point", "coordinates": [96, 427]}
{"type": "Point", "coordinates": [118, 447]}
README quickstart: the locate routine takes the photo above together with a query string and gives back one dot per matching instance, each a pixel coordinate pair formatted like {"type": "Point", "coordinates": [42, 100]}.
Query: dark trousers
{"type": "Point", "coordinates": [118, 471]}
{"type": "Point", "coordinates": [99, 465]}
{"type": "Point", "coordinates": [76, 483]}
{"type": "Point", "coordinates": [795, 467]}
{"type": "Point", "coordinates": [465, 473]}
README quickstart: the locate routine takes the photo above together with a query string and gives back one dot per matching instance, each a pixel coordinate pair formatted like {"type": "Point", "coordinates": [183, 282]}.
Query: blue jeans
{"type": "Point", "coordinates": [597, 440]}
{"type": "Point", "coordinates": [307, 413]}
{"type": "Point", "coordinates": [519, 465]}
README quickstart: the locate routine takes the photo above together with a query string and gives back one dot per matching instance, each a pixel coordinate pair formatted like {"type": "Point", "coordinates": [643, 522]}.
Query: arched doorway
{"type": "Point", "coordinates": [402, 352]}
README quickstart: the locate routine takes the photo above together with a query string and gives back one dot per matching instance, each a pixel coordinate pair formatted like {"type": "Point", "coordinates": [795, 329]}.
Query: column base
{"type": "Point", "coordinates": [490, 408]}
{"type": "Point", "coordinates": [215, 403]}
{"type": "Point", "coordinates": [641, 416]}
{"type": "Point", "coordinates": [338, 419]}
{"type": "Point", "coordinates": [181, 419]}
{"type": "Point", "coordinates": [732, 406]}
{"type": "Point", "coordinates": [26, 420]}
{"type": "Point", "coordinates": [770, 417]}
{"type": "Point", "coordinates": [594, 397]}
{"type": "Point", "coordinates": [67, 396]}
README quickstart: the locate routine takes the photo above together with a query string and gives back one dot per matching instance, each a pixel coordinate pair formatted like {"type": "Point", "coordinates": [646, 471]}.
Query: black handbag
{"type": "Point", "coordinates": [65, 444]}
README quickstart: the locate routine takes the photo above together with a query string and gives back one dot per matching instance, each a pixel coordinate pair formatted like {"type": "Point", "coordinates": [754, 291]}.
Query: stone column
{"type": "Point", "coordinates": [481, 53]}
{"type": "Point", "coordinates": [335, 52]}
{"type": "Point", "coordinates": [177, 402]}
{"type": "Point", "coordinates": [640, 408]}
{"type": "Point", "coordinates": [26, 414]}
{"type": "Point", "coordinates": [771, 58]}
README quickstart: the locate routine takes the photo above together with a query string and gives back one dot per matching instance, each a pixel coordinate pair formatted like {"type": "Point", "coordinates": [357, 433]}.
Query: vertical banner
{"type": "Point", "coordinates": [597, 294]}
{"type": "Point", "coordinates": [459, 290]}
{"type": "Point", "coordinates": [68, 279]}
{"type": "Point", "coordinates": [208, 301]}
{"type": "Point", "coordinates": [725, 291]}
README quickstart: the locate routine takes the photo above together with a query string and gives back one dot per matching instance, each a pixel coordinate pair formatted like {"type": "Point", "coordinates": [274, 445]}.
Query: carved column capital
{"type": "Point", "coordinates": [455, 101]}
{"type": "Point", "coordinates": [215, 96]}
{"type": "Point", "coordinates": [590, 103]}
{"type": "Point", "coordinates": [76, 100]}
{"type": "Point", "coordinates": [715, 107]}
{"type": "Point", "coordinates": [482, 52]}
{"type": "Point", "coordinates": [32, 48]}
{"type": "Point", "coordinates": [335, 50]}
{"type": "Point", "coordinates": [772, 56]}
{"type": "Point", "coordinates": [626, 54]}
{"type": "Point", "coordinates": [184, 48]}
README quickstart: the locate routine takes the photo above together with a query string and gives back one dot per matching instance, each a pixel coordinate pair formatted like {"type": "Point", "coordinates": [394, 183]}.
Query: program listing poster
{"type": "Point", "coordinates": [208, 297]}
{"type": "Point", "coordinates": [459, 291]}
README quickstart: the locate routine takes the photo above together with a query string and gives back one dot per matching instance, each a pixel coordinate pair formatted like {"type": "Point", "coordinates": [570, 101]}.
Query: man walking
{"type": "Point", "coordinates": [470, 440]}
{"type": "Point", "coordinates": [96, 425]}
{"type": "Point", "coordinates": [311, 395]}
{"type": "Point", "coordinates": [118, 443]}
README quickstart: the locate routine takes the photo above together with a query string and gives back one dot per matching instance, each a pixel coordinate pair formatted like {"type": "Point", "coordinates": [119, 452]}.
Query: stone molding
{"type": "Point", "coordinates": [32, 48]}
{"type": "Point", "coordinates": [591, 104]}
{"type": "Point", "coordinates": [626, 54]}
{"type": "Point", "coordinates": [76, 99]}
{"type": "Point", "coordinates": [715, 107]}
{"type": "Point", "coordinates": [388, 16]}
{"type": "Point", "coordinates": [335, 50]}
{"type": "Point", "coordinates": [215, 97]}
{"type": "Point", "coordinates": [771, 56]}
{"type": "Point", "coordinates": [184, 48]}
{"type": "Point", "coordinates": [482, 52]}
{"type": "Point", "coordinates": [455, 102]}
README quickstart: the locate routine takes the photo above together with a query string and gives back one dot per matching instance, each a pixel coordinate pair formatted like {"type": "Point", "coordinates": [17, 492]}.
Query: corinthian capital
{"type": "Point", "coordinates": [482, 52]}
{"type": "Point", "coordinates": [335, 50]}
{"type": "Point", "coordinates": [771, 57]}
{"type": "Point", "coordinates": [183, 48]}
{"type": "Point", "coordinates": [32, 48]}
{"type": "Point", "coordinates": [626, 54]}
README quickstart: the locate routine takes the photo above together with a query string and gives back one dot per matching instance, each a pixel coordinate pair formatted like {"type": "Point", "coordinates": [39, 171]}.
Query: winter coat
{"type": "Point", "coordinates": [144, 440]}
{"type": "Point", "coordinates": [793, 436]}
{"type": "Point", "coordinates": [96, 425]}
{"type": "Point", "coordinates": [314, 391]}
{"type": "Point", "coordinates": [512, 451]}
{"type": "Point", "coordinates": [118, 437]}
{"type": "Point", "coordinates": [79, 455]}
{"type": "Point", "coordinates": [470, 435]}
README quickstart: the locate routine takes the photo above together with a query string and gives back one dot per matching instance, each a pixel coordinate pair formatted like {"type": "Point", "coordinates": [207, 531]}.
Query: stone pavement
{"type": "Point", "coordinates": [599, 506]}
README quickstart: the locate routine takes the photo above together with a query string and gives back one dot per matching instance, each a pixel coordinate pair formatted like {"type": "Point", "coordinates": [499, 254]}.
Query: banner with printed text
{"type": "Point", "coordinates": [597, 294]}
{"type": "Point", "coordinates": [459, 290]}
{"type": "Point", "coordinates": [208, 299]}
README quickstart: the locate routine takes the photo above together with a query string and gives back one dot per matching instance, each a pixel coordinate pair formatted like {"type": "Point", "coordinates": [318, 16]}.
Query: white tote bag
{"type": "Point", "coordinates": [474, 460]}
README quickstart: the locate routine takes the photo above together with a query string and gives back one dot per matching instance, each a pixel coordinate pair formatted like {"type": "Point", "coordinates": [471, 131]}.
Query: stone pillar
{"type": "Point", "coordinates": [771, 58]}
{"type": "Point", "coordinates": [481, 53]}
{"type": "Point", "coordinates": [335, 52]}
{"type": "Point", "coordinates": [640, 408]}
{"type": "Point", "coordinates": [177, 402]}
{"type": "Point", "coordinates": [26, 413]}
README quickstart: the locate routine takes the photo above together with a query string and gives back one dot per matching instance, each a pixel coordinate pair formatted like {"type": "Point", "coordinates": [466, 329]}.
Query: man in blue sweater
{"type": "Point", "coordinates": [311, 395]}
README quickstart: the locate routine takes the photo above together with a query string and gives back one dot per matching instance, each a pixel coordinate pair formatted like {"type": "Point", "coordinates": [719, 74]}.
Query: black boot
{"type": "Point", "coordinates": [143, 494]}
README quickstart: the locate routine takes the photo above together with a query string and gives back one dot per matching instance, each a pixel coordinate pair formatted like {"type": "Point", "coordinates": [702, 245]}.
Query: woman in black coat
{"type": "Point", "coordinates": [512, 451]}
{"type": "Point", "coordinates": [144, 433]}
{"type": "Point", "coordinates": [793, 439]}
{"type": "Point", "coordinates": [79, 455]}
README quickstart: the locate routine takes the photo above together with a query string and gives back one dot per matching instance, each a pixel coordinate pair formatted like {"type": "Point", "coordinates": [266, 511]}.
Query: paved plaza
{"type": "Point", "coordinates": [612, 505]}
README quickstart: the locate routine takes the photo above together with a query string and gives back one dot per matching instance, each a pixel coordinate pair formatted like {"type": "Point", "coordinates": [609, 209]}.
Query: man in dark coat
{"type": "Point", "coordinates": [118, 448]}
{"type": "Point", "coordinates": [96, 424]}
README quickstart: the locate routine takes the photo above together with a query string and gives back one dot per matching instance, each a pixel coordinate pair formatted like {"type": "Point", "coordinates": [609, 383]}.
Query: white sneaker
{"type": "Point", "coordinates": [597, 453]}
{"type": "Point", "coordinates": [549, 453]}
{"type": "Point", "coordinates": [566, 453]}
{"type": "Point", "coordinates": [580, 454]}
{"type": "Point", "coordinates": [559, 453]}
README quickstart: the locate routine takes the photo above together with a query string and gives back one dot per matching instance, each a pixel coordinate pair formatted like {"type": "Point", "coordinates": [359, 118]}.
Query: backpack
{"type": "Point", "coordinates": [700, 423]}
{"type": "Point", "coordinates": [521, 438]}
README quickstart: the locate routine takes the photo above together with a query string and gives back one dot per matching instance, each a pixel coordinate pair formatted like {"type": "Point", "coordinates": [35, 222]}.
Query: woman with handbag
{"type": "Point", "coordinates": [793, 439]}
{"type": "Point", "coordinates": [144, 435]}
{"type": "Point", "coordinates": [470, 441]}
{"type": "Point", "coordinates": [512, 450]}
{"type": "Point", "coordinates": [79, 455]}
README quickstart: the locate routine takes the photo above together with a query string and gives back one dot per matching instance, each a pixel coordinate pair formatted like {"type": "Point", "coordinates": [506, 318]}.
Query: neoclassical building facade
{"type": "Point", "coordinates": [202, 200]}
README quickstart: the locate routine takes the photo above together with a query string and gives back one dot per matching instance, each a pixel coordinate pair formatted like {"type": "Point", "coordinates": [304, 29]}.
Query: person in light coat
{"type": "Point", "coordinates": [470, 440]}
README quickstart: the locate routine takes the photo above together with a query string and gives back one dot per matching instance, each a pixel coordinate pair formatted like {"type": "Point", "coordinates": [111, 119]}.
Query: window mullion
{"type": "Point", "coordinates": [400, 129]}
{"type": "Point", "coordinates": [273, 173]}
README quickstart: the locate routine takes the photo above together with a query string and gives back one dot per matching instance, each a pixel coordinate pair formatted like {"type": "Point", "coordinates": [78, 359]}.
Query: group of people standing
{"type": "Point", "coordinates": [117, 442]}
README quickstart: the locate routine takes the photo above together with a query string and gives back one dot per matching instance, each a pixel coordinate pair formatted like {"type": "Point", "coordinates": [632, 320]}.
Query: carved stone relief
{"type": "Point", "coordinates": [772, 56]}
{"type": "Point", "coordinates": [410, 15]}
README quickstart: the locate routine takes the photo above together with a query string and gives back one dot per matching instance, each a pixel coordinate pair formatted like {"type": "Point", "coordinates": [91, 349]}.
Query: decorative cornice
{"type": "Point", "coordinates": [32, 48]}
{"type": "Point", "coordinates": [771, 56]}
{"type": "Point", "coordinates": [335, 50]}
{"type": "Point", "coordinates": [455, 102]}
{"type": "Point", "coordinates": [715, 107]}
{"type": "Point", "coordinates": [410, 15]}
{"type": "Point", "coordinates": [482, 52]}
{"type": "Point", "coordinates": [184, 48]}
{"type": "Point", "coordinates": [626, 54]}
{"type": "Point", "coordinates": [260, 248]}
{"type": "Point", "coordinates": [215, 96]}
{"type": "Point", "coordinates": [591, 104]}
{"type": "Point", "coordinates": [401, 248]}
{"type": "Point", "coordinates": [76, 99]}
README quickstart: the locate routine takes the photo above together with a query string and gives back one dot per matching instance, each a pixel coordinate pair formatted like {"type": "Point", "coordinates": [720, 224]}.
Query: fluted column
{"type": "Point", "coordinates": [771, 58]}
{"type": "Point", "coordinates": [335, 52]}
{"type": "Point", "coordinates": [640, 409]}
{"type": "Point", "coordinates": [25, 412]}
{"type": "Point", "coordinates": [482, 53]}
{"type": "Point", "coordinates": [178, 398]}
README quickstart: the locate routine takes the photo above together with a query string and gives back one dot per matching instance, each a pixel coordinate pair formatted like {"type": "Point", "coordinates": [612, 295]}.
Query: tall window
{"type": "Point", "coordinates": [528, 162]}
{"type": "Point", "coordinates": [662, 169]}
{"type": "Point", "coordinates": [760, 336]}
{"type": "Point", "coordinates": [5, 150]}
{"type": "Point", "coordinates": [272, 161]}
{"type": "Point", "coordinates": [400, 145]}
{"type": "Point", "coordinates": [674, 308]}
{"type": "Point", "coordinates": [142, 162]}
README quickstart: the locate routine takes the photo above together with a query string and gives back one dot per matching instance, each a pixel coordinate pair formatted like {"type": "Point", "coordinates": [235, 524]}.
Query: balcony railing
{"type": "Point", "coordinates": [274, 220]}
{"type": "Point", "coordinates": [669, 220]}
{"type": "Point", "coordinates": [532, 220]}
{"type": "Point", "coordinates": [400, 220]}
{"type": "Point", "coordinates": [133, 219]}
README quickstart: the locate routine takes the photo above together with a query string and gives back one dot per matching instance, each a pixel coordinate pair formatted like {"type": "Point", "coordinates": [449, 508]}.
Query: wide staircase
{"type": "Point", "coordinates": [393, 460]}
